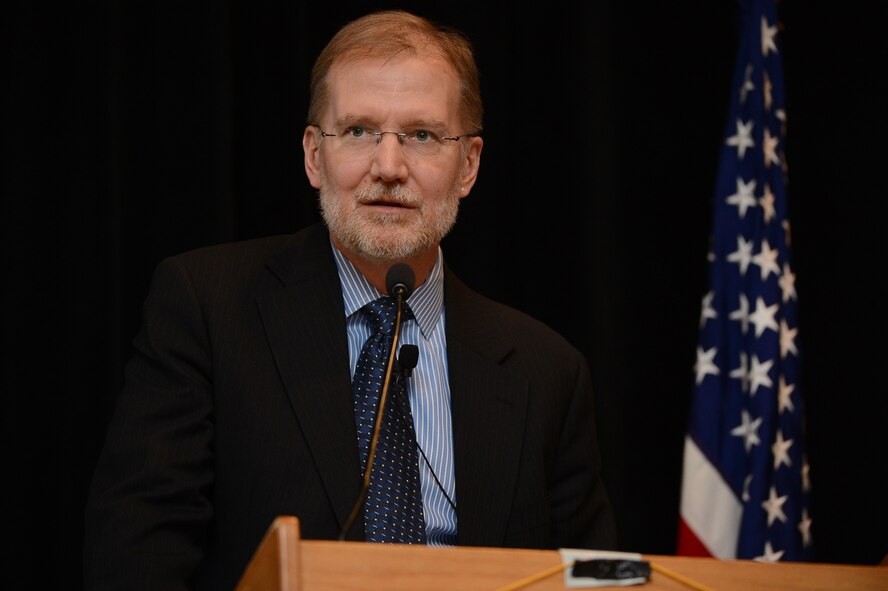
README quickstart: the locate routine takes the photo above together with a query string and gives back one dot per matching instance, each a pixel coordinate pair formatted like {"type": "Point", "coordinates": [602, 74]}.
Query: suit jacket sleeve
{"type": "Point", "coordinates": [149, 506]}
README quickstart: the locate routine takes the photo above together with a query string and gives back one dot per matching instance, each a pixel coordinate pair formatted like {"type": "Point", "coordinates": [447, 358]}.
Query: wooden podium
{"type": "Point", "coordinates": [283, 562]}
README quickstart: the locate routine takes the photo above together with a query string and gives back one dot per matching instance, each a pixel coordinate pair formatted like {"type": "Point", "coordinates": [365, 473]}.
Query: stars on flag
{"type": "Point", "coordinates": [706, 310]}
{"type": "Point", "coordinates": [744, 197]}
{"type": "Point", "coordinates": [742, 313]}
{"type": "Point", "coordinates": [743, 254]}
{"type": "Point", "coordinates": [747, 413]}
{"type": "Point", "coordinates": [768, 34]}
{"type": "Point", "coordinates": [784, 396]}
{"type": "Point", "coordinates": [705, 365]}
{"type": "Point", "coordinates": [780, 451]}
{"type": "Point", "coordinates": [766, 260]}
{"type": "Point", "coordinates": [787, 283]}
{"type": "Point", "coordinates": [758, 374]}
{"type": "Point", "coordinates": [767, 88]}
{"type": "Point", "coordinates": [742, 372]}
{"type": "Point", "coordinates": [766, 202]}
{"type": "Point", "coordinates": [743, 138]}
{"type": "Point", "coordinates": [805, 528]}
{"type": "Point", "coordinates": [748, 430]}
{"type": "Point", "coordinates": [787, 340]}
{"type": "Point", "coordinates": [763, 316]}
{"type": "Point", "coordinates": [771, 149]}
{"type": "Point", "coordinates": [774, 506]}
{"type": "Point", "coordinates": [769, 554]}
{"type": "Point", "coordinates": [747, 86]}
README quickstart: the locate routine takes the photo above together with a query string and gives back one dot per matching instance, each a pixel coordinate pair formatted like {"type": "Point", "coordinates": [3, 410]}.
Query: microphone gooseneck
{"type": "Point", "coordinates": [399, 282]}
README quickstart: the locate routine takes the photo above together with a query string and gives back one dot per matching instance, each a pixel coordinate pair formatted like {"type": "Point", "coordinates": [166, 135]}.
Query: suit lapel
{"type": "Point", "coordinates": [305, 324]}
{"type": "Point", "coordinates": [489, 411]}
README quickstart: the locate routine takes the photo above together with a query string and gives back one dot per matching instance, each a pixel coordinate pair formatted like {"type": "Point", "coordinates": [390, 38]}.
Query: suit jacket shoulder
{"type": "Point", "coordinates": [290, 258]}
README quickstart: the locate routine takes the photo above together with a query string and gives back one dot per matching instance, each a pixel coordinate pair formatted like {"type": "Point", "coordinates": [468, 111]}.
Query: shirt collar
{"type": "Point", "coordinates": [426, 301]}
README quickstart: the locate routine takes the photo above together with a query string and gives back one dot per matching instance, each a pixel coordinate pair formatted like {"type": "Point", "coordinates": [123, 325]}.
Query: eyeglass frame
{"type": "Point", "coordinates": [399, 134]}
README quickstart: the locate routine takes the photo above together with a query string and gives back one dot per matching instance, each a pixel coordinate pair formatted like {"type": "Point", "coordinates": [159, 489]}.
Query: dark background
{"type": "Point", "coordinates": [131, 131]}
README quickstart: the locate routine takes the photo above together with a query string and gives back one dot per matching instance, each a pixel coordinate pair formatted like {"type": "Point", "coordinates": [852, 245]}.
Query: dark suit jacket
{"type": "Point", "coordinates": [237, 408]}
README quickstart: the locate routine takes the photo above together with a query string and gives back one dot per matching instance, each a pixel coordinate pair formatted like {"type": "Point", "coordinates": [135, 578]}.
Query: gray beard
{"type": "Point", "coordinates": [379, 237]}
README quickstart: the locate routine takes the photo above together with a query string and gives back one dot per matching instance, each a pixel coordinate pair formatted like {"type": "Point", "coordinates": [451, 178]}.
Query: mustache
{"type": "Point", "coordinates": [390, 193]}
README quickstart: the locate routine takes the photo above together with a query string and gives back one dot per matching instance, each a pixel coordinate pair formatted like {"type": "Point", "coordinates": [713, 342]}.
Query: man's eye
{"type": "Point", "coordinates": [423, 136]}
{"type": "Point", "coordinates": [355, 131]}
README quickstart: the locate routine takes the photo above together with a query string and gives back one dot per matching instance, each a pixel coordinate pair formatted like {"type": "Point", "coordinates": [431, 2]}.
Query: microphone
{"type": "Point", "coordinates": [399, 282]}
{"type": "Point", "coordinates": [407, 359]}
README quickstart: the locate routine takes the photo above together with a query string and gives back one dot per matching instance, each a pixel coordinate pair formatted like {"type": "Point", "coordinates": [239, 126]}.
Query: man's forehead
{"type": "Point", "coordinates": [427, 59]}
{"type": "Point", "coordinates": [422, 87]}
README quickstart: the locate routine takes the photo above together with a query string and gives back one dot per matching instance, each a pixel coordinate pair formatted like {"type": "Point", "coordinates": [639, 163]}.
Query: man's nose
{"type": "Point", "coordinates": [389, 162]}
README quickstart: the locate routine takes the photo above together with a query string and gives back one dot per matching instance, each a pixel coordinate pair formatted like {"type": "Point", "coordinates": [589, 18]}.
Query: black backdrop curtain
{"type": "Point", "coordinates": [131, 131]}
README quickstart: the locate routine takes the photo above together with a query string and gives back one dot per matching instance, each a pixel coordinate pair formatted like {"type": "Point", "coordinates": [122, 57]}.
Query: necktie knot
{"type": "Point", "coordinates": [382, 312]}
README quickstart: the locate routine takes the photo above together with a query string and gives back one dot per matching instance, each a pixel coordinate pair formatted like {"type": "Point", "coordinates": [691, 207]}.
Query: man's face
{"type": "Point", "coordinates": [387, 201]}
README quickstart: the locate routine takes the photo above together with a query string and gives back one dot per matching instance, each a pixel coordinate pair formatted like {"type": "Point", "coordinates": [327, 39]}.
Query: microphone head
{"type": "Point", "coordinates": [400, 278]}
{"type": "Point", "coordinates": [408, 357]}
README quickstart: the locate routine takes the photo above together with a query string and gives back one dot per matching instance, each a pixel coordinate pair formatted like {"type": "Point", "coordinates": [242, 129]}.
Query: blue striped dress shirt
{"type": "Point", "coordinates": [428, 388]}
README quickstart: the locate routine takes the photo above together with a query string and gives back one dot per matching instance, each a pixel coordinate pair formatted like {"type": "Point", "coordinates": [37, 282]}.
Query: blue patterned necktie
{"type": "Point", "coordinates": [393, 506]}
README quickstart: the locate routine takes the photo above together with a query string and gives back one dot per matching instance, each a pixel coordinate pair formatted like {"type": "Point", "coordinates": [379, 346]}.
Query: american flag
{"type": "Point", "coordinates": [745, 485]}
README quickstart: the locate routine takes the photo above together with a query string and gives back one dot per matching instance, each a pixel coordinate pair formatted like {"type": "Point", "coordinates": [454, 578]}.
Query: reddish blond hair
{"type": "Point", "coordinates": [389, 33]}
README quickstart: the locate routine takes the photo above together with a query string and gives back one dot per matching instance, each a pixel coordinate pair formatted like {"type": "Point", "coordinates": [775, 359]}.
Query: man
{"type": "Point", "coordinates": [239, 404]}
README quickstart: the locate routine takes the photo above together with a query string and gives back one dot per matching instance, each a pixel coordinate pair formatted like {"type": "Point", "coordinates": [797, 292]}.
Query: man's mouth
{"type": "Point", "coordinates": [381, 197]}
{"type": "Point", "coordinates": [385, 203]}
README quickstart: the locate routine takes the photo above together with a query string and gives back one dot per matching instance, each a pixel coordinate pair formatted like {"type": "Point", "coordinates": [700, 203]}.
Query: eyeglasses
{"type": "Point", "coordinates": [361, 140]}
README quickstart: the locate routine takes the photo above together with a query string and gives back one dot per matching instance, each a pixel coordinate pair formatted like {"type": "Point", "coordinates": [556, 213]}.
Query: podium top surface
{"type": "Point", "coordinates": [353, 565]}
{"type": "Point", "coordinates": [283, 562]}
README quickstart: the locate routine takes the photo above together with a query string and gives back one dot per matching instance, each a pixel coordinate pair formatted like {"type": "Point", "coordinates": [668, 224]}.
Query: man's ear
{"type": "Point", "coordinates": [471, 162]}
{"type": "Point", "coordinates": [311, 147]}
